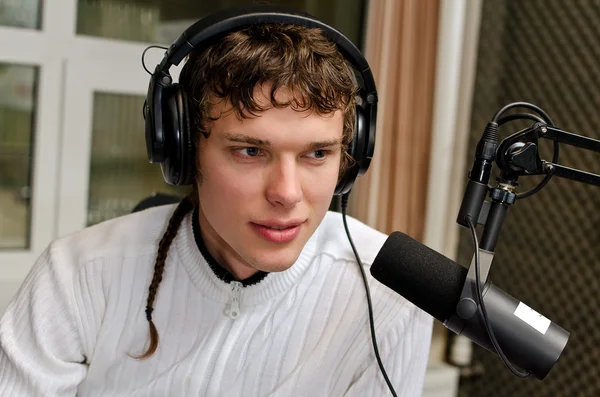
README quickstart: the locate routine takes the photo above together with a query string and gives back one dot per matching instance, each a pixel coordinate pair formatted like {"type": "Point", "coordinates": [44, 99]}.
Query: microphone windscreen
{"type": "Point", "coordinates": [421, 275]}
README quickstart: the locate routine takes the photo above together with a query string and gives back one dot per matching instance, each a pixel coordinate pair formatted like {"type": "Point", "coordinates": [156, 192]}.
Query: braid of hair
{"type": "Point", "coordinates": [185, 206]}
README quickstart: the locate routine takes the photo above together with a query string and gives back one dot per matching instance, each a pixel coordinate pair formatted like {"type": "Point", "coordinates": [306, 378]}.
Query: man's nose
{"type": "Point", "coordinates": [284, 188]}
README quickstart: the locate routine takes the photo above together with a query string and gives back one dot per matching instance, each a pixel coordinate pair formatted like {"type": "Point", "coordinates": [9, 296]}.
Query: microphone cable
{"type": "Point", "coordinates": [369, 304]}
{"type": "Point", "coordinates": [489, 329]}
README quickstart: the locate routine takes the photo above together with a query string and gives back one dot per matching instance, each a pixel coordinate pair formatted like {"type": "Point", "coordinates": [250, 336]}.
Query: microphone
{"type": "Point", "coordinates": [434, 283]}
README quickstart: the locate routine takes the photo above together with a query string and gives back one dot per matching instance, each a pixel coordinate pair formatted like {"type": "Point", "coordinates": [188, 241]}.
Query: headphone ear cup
{"type": "Point", "coordinates": [355, 149]}
{"type": "Point", "coordinates": [177, 169]}
{"type": "Point", "coordinates": [153, 126]}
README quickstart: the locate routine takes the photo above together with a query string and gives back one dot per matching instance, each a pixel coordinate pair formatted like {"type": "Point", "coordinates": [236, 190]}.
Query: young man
{"type": "Point", "coordinates": [249, 286]}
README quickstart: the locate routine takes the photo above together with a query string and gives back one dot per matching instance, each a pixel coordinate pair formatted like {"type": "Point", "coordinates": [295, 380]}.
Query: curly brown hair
{"type": "Point", "coordinates": [300, 59]}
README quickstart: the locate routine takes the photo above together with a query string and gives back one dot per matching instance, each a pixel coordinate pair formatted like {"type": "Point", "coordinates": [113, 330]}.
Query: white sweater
{"type": "Point", "coordinates": [301, 332]}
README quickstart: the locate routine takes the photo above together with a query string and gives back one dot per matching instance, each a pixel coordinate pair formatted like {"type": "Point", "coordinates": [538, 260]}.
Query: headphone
{"type": "Point", "coordinates": [168, 136]}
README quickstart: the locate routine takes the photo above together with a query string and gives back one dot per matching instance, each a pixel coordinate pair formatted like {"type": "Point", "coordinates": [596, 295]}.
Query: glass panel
{"type": "Point", "coordinates": [20, 13]}
{"type": "Point", "coordinates": [162, 21]}
{"type": "Point", "coordinates": [120, 174]}
{"type": "Point", "coordinates": [17, 104]}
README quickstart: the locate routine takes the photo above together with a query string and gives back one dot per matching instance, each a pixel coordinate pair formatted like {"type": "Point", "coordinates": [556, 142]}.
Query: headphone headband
{"type": "Point", "coordinates": [212, 27]}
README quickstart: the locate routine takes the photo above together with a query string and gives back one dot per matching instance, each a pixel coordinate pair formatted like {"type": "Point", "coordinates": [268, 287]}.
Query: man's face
{"type": "Point", "coordinates": [266, 183]}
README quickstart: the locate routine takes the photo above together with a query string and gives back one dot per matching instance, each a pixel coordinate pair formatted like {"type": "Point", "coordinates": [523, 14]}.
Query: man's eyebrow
{"type": "Point", "coordinates": [323, 144]}
{"type": "Point", "coordinates": [241, 138]}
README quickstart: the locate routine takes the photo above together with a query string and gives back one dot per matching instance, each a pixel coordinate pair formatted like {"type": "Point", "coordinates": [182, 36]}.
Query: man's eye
{"type": "Point", "coordinates": [319, 154]}
{"type": "Point", "coordinates": [249, 151]}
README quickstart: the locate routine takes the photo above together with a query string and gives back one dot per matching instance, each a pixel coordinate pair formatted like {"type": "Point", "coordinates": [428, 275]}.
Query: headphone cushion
{"type": "Point", "coordinates": [187, 140]}
{"type": "Point", "coordinates": [355, 149]}
{"type": "Point", "coordinates": [177, 168]}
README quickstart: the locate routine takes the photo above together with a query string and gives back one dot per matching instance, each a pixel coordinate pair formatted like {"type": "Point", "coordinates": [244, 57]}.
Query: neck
{"type": "Point", "coordinates": [215, 249]}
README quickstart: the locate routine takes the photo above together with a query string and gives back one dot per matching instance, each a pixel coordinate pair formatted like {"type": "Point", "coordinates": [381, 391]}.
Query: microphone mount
{"type": "Point", "coordinates": [518, 155]}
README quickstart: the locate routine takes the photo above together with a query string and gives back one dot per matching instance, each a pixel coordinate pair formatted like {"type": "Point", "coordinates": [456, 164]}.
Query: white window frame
{"type": "Point", "coordinates": [71, 68]}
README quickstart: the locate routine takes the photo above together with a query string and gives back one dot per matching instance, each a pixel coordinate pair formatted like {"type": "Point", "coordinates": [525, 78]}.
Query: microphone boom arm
{"type": "Point", "coordinates": [518, 154]}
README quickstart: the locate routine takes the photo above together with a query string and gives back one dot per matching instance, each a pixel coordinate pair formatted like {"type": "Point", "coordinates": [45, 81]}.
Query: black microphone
{"type": "Point", "coordinates": [434, 283]}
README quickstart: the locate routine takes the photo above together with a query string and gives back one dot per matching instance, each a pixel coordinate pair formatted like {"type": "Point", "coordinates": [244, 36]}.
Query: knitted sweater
{"type": "Point", "coordinates": [79, 315]}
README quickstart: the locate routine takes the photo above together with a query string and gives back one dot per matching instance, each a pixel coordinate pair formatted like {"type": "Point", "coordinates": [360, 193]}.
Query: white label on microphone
{"type": "Point", "coordinates": [532, 318]}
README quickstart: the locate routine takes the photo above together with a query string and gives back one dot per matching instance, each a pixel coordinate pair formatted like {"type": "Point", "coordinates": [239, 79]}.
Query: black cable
{"type": "Point", "coordinates": [369, 304]}
{"type": "Point", "coordinates": [526, 105]}
{"type": "Point", "coordinates": [520, 116]}
{"type": "Point", "coordinates": [490, 332]}
{"type": "Point", "coordinates": [534, 190]}
{"type": "Point", "coordinates": [144, 54]}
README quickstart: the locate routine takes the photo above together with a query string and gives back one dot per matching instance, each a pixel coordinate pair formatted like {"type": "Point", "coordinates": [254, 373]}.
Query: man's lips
{"type": "Point", "coordinates": [278, 232]}
{"type": "Point", "coordinates": [279, 224]}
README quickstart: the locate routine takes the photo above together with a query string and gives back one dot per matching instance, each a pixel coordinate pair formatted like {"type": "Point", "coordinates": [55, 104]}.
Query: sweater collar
{"type": "Point", "coordinates": [197, 262]}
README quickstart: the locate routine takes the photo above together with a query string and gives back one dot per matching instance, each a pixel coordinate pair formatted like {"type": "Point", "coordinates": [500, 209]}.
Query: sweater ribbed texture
{"type": "Point", "coordinates": [301, 332]}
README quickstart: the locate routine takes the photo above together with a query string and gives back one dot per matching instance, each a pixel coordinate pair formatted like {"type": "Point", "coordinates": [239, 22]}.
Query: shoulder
{"type": "Point", "coordinates": [131, 235]}
{"type": "Point", "coordinates": [333, 240]}
{"type": "Point", "coordinates": [394, 315]}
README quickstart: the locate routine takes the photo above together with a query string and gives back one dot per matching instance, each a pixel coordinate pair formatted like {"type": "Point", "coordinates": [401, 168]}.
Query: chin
{"type": "Point", "coordinates": [276, 261]}
{"type": "Point", "coordinates": [276, 268]}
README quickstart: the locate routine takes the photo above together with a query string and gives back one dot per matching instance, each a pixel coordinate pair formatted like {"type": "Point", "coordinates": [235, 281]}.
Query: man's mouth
{"type": "Point", "coordinates": [278, 231]}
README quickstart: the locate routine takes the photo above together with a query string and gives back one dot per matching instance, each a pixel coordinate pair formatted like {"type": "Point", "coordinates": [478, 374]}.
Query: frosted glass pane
{"type": "Point", "coordinates": [120, 174]}
{"type": "Point", "coordinates": [17, 108]}
{"type": "Point", "coordinates": [20, 13]}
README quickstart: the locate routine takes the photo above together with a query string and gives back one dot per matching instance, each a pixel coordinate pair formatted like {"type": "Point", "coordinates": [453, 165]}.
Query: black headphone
{"type": "Point", "coordinates": [168, 135]}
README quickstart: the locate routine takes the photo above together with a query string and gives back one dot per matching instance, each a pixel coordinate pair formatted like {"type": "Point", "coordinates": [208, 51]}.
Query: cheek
{"type": "Point", "coordinates": [223, 184]}
{"type": "Point", "coordinates": [222, 199]}
{"type": "Point", "coordinates": [318, 188]}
